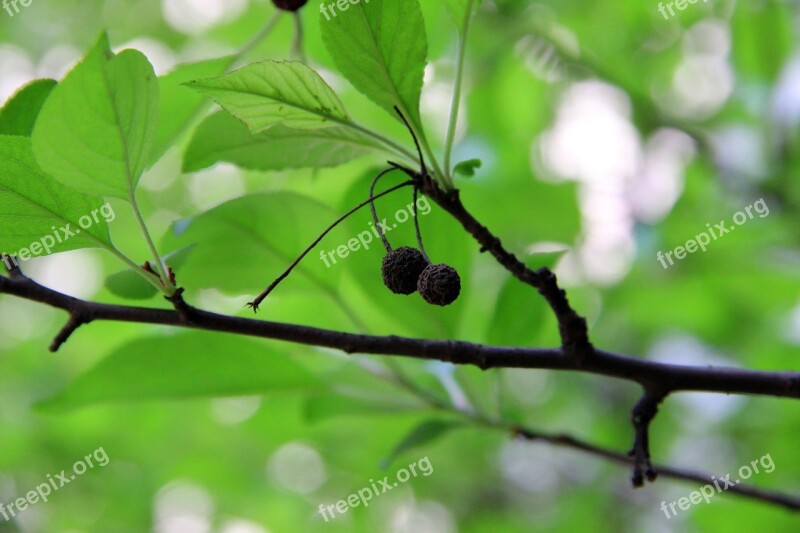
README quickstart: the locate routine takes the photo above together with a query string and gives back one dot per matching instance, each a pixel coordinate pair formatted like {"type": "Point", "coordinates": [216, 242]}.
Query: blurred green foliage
{"type": "Point", "coordinates": [260, 433]}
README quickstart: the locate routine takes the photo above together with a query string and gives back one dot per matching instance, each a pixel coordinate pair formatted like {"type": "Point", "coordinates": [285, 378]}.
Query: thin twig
{"type": "Point", "coordinates": [255, 303]}
{"type": "Point", "coordinates": [416, 227]}
{"type": "Point", "coordinates": [384, 240]}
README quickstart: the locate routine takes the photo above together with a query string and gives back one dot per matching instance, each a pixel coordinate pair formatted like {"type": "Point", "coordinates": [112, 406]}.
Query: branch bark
{"type": "Point", "coordinates": [650, 374]}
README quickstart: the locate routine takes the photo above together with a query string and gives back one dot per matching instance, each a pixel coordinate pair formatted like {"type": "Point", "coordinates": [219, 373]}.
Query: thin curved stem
{"type": "Point", "coordinates": [255, 40]}
{"type": "Point", "coordinates": [297, 42]}
{"type": "Point", "coordinates": [384, 240]}
{"type": "Point", "coordinates": [416, 228]}
{"type": "Point", "coordinates": [255, 303]}
{"type": "Point", "coordinates": [388, 143]}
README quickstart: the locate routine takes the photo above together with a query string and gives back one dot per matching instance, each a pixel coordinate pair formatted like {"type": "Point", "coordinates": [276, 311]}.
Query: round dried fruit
{"type": "Point", "coordinates": [401, 269]}
{"type": "Point", "coordinates": [439, 284]}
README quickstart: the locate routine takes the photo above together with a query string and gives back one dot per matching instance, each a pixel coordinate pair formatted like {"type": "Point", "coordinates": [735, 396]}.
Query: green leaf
{"type": "Point", "coordinates": [320, 407]}
{"type": "Point", "coordinates": [188, 365]}
{"type": "Point", "coordinates": [242, 244]}
{"type": "Point", "coordinates": [128, 284]}
{"type": "Point", "coordinates": [34, 207]}
{"type": "Point", "coordinates": [223, 138]}
{"type": "Point", "coordinates": [381, 47]}
{"type": "Point", "coordinates": [96, 131]}
{"type": "Point", "coordinates": [460, 10]}
{"type": "Point", "coordinates": [19, 114]}
{"type": "Point", "coordinates": [467, 168]}
{"type": "Point", "coordinates": [180, 104]}
{"type": "Point", "coordinates": [423, 434]}
{"type": "Point", "coordinates": [275, 92]}
{"type": "Point", "coordinates": [518, 317]}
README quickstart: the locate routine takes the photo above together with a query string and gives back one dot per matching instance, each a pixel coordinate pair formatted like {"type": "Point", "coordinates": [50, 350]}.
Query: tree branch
{"type": "Point", "coordinates": [643, 413]}
{"type": "Point", "coordinates": [571, 326]}
{"type": "Point", "coordinates": [576, 352]}
{"type": "Point", "coordinates": [567, 441]}
{"type": "Point", "coordinates": [650, 374]}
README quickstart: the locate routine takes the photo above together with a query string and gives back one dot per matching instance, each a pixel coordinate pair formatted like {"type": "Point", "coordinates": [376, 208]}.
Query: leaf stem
{"type": "Point", "coordinates": [150, 278]}
{"type": "Point", "coordinates": [393, 146]}
{"type": "Point", "coordinates": [166, 285]}
{"type": "Point", "coordinates": [257, 38]}
{"type": "Point", "coordinates": [419, 133]}
{"type": "Point", "coordinates": [297, 42]}
{"type": "Point", "coordinates": [456, 100]}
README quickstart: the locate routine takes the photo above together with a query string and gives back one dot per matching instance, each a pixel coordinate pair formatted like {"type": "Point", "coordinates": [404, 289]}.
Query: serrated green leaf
{"type": "Point", "coordinates": [223, 138]}
{"type": "Point", "coordinates": [423, 434]}
{"type": "Point", "coordinates": [19, 114]}
{"type": "Point", "coordinates": [467, 168]}
{"type": "Point", "coordinates": [265, 94]}
{"type": "Point", "coordinates": [96, 131]}
{"type": "Point", "coordinates": [33, 206]}
{"type": "Point", "coordinates": [180, 104]}
{"type": "Point", "coordinates": [188, 365]}
{"type": "Point", "coordinates": [381, 47]}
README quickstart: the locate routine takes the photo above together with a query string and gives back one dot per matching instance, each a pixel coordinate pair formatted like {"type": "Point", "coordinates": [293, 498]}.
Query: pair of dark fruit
{"type": "Point", "coordinates": [289, 5]}
{"type": "Point", "coordinates": [406, 271]}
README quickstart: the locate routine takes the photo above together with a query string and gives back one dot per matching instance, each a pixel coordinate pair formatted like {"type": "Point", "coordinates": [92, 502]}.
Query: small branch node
{"type": "Point", "coordinates": [643, 413]}
{"type": "Point", "coordinates": [571, 326]}
{"type": "Point", "coordinates": [185, 310]}
{"type": "Point", "coordinates": [76, 320]}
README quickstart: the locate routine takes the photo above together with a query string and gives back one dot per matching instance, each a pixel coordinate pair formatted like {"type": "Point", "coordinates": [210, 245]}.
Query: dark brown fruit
{"type": "Point", "coordinates": [439, 284]}
{"type": "Point", "coordinates": [401, 269]}
{"type": "Point", "coordinates": [289, 5]}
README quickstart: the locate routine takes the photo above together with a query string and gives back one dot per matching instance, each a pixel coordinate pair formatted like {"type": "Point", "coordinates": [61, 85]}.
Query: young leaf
{"type": "Point", "coordinates": [467, 168]}
{"type": "Point", "coordinates": [188, 365]}
{"type": "Point", "coordinates": [19, 114]}
{"type": "Point", "coordinates": [95, 133]}
{"type": "Point", "coordinates": [381, 47]}
{"type": "Point", "coordinates": [223, 138]}
{"type": "Point", "coordinates": [424, 433]}
{"type": "Point", "coordinates": [34, 207]}
{"type": "Point", "coordinates": [179, 104]}
{"type": "Point", "coordinates": [131, 285]}
{"type": "Point", "coordinates": [275, 92]}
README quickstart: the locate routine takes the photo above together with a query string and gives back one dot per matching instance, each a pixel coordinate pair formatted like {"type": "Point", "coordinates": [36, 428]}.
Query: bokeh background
{"type": "Point", "coordinates": [607, 133]}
